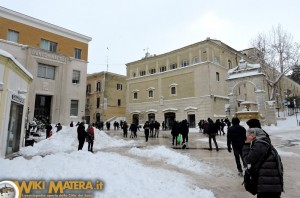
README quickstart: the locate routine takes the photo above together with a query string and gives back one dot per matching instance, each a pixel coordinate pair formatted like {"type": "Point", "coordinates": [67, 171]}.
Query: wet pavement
{"type": "Point", "coordinates": [224, 181]}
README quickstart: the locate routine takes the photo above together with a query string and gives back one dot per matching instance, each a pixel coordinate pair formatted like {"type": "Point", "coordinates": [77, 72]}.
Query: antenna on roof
{"type": "Point", "coordinates": [147, 54]}
{"type": "Point", "coordinates": [107, 59]}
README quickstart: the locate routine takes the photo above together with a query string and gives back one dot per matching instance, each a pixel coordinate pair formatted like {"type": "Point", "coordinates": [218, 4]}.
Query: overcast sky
{"type": "Point", "coordinates": [128, 27]}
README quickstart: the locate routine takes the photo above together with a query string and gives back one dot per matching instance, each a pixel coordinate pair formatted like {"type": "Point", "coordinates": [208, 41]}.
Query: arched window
{"type": "Point", "coordinates": [150, 93]}
{"type": "Point", "coordinates": [229, 64]}
{"type": "Point", "coordinates": [98, 86]}
{"type": "Point", "coordinates": [173, 90]}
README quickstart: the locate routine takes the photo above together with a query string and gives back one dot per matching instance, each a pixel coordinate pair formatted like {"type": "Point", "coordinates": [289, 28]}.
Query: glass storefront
{"type": "Point", "coordinates": [14, 128]}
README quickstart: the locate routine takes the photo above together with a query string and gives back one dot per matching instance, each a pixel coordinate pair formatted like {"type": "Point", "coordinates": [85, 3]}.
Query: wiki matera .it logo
{"type": "Point", "coordinates": [8, 189]}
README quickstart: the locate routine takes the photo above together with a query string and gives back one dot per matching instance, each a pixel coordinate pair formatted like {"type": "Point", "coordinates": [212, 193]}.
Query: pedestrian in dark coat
{"type": "Point", "coordinates": [125, 128]}
{"type": "Point", "coordinates": [146, 128]}
{"type": "Point", "coordinates": [151, 128]}
{"type": "Point", "coordinates": [156, 129]}
{"type": "Point", "coordinates": [270, 182]}
{"type": "Point", "coordinates": [184, 129]}
{"type": "Point", "coordinates": [236, 137]}
{"type": "Point", "coordinates": [212, 132]}
{"type": "Point", "coordinates": [48, 130]}
{"type": "Point", "coordinates": [81, 135]}
{"type": "Point", "coordinates": [175, 132]}
{"type": "Point", "coordinates": [71, 124]}
{"type": "Point", "coordinates": [133, 128]}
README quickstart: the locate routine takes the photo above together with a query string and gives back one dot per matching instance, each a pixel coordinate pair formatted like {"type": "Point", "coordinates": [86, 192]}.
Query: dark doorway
{"type": "Point", "coordinates": [151, 117]}
{"type": "Point", "coordinates": [97, 117]}
{"type": "Point", "coordinates": [192, 120]}
{"type": "Point", "coordinates": [88, 119]}
{"type": "Point", "coordinates": [135, 119]}
{"type": "Point", "coordinates": [169, 120]}
{"type": "Point", "coordinates": [42, 107]}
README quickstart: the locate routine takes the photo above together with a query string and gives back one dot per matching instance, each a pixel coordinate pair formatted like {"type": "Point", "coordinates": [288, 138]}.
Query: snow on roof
{"type": "Point", "coordinates": [8, 55]}
{"type": "Point", "coordinates": [244, 74]}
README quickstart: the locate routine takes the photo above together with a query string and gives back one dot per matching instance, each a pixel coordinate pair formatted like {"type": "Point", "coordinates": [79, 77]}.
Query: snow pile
{"type": "Point", "coordinates": [66, 141]}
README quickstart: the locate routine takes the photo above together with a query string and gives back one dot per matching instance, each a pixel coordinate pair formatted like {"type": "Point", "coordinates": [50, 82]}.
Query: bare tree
{"type": "Point", "coordinates": [277, 53]}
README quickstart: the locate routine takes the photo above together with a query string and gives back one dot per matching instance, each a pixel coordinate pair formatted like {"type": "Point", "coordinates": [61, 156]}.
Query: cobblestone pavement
{"type": "Point", "coordinates": [226, 183]}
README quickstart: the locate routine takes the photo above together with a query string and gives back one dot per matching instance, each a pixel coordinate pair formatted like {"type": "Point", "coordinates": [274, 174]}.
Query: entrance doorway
{"type": "Point", "coordinates": [169, 120]}
{"type": "Point", "coordinates": [151, 117]}
{"type": "Point", "coordinates": [135, 119]}
{"type": "Point", "coordinates": [192, 120]}
{"type": "Point", "coordinates": [42, 107]}
{"type": "Point", "coordinates": [14, 128]}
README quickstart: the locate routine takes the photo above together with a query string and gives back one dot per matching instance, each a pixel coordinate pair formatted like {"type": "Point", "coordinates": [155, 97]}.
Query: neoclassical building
{"type": "Point", "coordinates": [57, 59]}
{"type": "Point", "coordinates": [105, 97]}
{"type": "Point", "coordinates": [191, 83]}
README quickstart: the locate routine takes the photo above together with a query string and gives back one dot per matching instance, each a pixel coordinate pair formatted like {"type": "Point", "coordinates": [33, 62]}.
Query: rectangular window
{"type": "Point", "coordinates": [119, 86]}
{"type": "Point", "coordinates": [152, 71]}
{"type": "Point", "coordinates": [13, 36]}
{"type": "Point", "coordinates": [98, 103]}
{"type": "Point", "coordinates": [76, 77]}
{"type": "Point", "coordinates": [217, 76]}
{"type": "Point", "coordinates": [195, 60]}
{"type": "Point", "coordinates": [77, 53]}
{"type": "Point", "coordinates": [88, 88]}
{"type": "Point", "coordinates": [142, 73]}
{"type": "Point", "coordinates": [184, 63]}
{"type": "Point", "coordinates": [48, 45]}
{"type": "Point", "coordinates": [74, 108]}
{"type": "Point", "coordinates": [135, 95]}
{"type": "Point", "coordinates": [163, 68]}
{"type": "Point", "coordinates": [98, 86]}
{"type": "Point", "coordinates": [119, 102]}
{"type": "Point", "coordinates": [46, 71]}
{"type": "Point", "coordinates": [173, 66]}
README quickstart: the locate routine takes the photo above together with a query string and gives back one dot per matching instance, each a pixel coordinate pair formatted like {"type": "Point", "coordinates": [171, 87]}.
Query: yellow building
{"type": "Point", "coordinates": [189, 83]}
{"type": "Point", "coordinates": [14, 92]}
{"type": "Point", "coordinates": [105, 97]}
{"type": "Point", "coordinates": [57, 59]}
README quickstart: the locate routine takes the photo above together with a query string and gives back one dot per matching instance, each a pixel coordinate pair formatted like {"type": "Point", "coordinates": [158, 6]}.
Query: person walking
{"type": "Point", "coordinates": [133, 128]}
{"type": "Point", "coordinates": [156, 129]}
{"type": "Point", "coordinates": [212, 132]}
{"type": "Point", "coordinates": [236, 137]}
{"type": "Point", "coordinates": [184, 129]}
{"type": "Point", "coordinates": [58, 127]}
{"type": "Point", "coordinates": [90, 137]}
{"type": "Point", "coordinates": [262, 162]}
{"type": "Point", "coordinates": [175, 132]}
{"type": "Point", "coordinates": [146, 130]}
{"type": "Point", "coordinates": [81, 135]}
{"type": "Point", "coordinates": [151, 128]}
{"type": "Point", "coordinates": [125, 129]}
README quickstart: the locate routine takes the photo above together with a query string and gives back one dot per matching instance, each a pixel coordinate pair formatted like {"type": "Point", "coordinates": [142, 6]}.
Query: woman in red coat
{"type": "Point", "coordinates": [90, 137]}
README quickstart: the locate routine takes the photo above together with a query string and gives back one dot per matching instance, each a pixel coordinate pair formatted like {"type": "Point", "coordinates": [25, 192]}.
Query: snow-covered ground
{"type": "Point", "coordinates": [57, 158]}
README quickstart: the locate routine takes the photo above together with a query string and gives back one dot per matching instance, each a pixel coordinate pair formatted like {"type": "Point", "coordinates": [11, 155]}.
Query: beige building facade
{"type": "Point", "coordinates": [105, 97]}
{"type": "Point", "coordinates": [188, 83]}
{"type": "Point", "coordinates": [57, 59]}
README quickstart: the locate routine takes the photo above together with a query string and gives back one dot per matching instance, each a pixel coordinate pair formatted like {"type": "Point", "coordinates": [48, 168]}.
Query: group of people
{"type": "Point", "coordinates": [85, 135]}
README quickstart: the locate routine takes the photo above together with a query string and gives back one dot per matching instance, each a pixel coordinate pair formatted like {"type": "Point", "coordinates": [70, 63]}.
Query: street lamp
{"type": "Point", "coordinates": [277, 104]}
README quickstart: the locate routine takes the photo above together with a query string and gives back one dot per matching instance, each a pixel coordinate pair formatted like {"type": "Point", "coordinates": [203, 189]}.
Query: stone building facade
{"type": "Point", "coordinates": [188, 83]}
{"type": "Point", "coordinates": [105, 97]}
{"type": "Point", "coordinates": [57, 59]}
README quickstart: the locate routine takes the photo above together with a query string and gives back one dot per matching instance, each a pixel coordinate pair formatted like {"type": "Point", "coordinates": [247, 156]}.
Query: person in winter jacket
{"type": "Point", "coordinates": [212, 132]}
{"type": "Point", "coordinates": [125, 128]}
{"type": "Point", "coordinates": [156, 129]}
{"type": "Point", "coordinates": [236, 137]}
{"type": "Point", "coordinates": [81, 135]}
{"type": "Point", "coordinates": [133, 128]}
{"type": "Point", "coordinates": [48, 130]}
{"type": "Point", "coordinates": [90, 137]}
{"type": "Point", "coordinates": [175, 132]}
{"type": "Point", "coordinates": [58, 127]}
{"type": "Point", "coordinates": [270, 181]}
{"type": "Point", "coordinates": [146, 130]}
